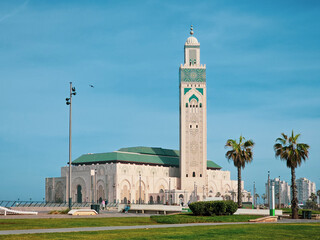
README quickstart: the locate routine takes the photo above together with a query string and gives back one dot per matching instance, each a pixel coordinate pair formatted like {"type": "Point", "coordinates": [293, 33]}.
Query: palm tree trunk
{"type": "Point", "coordinates": [294, 201]}
{"type": "Point", "coordinates": [239, 188]}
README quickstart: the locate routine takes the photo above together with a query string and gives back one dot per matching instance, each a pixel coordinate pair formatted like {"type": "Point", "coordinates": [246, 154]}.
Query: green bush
{"type": "Point", "coordinates": [232, 207]}
{"type": "Point", "coordinates": [210, 208]}
{"type": "Point", "coordinates": [198, 208]}
{"type": "Point", "coordinates": [220, 207]}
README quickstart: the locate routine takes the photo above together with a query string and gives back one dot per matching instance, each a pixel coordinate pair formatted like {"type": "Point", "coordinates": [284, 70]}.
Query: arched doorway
{"type": "Point", "coordinates": [151, 200]}
{"type": "Point", "coordinates": [79, 194]}
{"type": "Point", "coordinates": [125, 194]}
{"type": "Point", "coordinates": [100, 193]}
{"type": "Point", "coordinates": [158, 199]}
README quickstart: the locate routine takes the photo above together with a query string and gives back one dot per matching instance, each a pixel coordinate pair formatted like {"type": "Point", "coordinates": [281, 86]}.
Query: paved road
{"type": "Point", "coordinates": [87, 229]}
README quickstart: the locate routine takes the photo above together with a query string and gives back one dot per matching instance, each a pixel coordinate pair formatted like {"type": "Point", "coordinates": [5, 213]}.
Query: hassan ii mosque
{"type": "Point", "coordinates": [155, 175]}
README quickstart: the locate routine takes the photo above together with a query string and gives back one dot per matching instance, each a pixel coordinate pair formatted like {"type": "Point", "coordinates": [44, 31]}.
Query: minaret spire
{"type": "Point", "coordinates": [191, 30]}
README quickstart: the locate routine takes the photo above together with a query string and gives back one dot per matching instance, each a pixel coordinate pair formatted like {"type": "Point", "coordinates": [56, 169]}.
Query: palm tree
{"type": "Point", "coordinates": [264, 197]}
{"type": "Point", "coordinates": [289, 150]}
{"type": "Point", "coordinates": [249, 196]}
{"type": "Point", "coordinates": [313, 197]}
{"type": "Point", "coordinates": [240, 153]}
{"type": "Point", "coordinates": [256, 198]}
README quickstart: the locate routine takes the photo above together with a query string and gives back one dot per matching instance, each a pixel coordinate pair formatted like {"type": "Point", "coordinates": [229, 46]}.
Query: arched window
{"type": "Point", "coordinates": [193, 174]}
{"type": "Point", "coordinates": [200, 105]}
{"type": "Point", "coordinates": [187, 175]}
{"type": "Point", "coordinates": [186, 104]}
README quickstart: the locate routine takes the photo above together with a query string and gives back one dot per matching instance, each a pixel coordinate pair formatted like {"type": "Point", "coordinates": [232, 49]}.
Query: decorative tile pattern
{"type": "Point", "coordinates": [200, 90]}
{"type": "Point", "coordinates": [193, 97]}
{"type": "Point", "coordinates": [192, 46]}
{"type": "Point", "coordinates": [186, 90]}
{"type": "Point", "coordinates": [192, 75]}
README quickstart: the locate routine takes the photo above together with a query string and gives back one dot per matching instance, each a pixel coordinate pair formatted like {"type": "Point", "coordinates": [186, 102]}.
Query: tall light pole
{"type": "Point", "coordinates": [254, 194]}
{"type": "Point", "coordinates": [69, 102]}
{"type": "Point", "coordinates": [139, 188]}
{"type": "Point", "coordinates": [279, 193]}
{"type": "Point", "coordinates": [268, 192]}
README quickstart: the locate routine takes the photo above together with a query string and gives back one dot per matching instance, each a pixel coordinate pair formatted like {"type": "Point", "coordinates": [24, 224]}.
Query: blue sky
{"type": "Point", "coordinates": [263, 78]}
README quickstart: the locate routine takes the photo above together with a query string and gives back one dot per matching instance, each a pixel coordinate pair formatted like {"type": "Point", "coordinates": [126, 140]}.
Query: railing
{"type": "Point", "coordinates": [9, 204]}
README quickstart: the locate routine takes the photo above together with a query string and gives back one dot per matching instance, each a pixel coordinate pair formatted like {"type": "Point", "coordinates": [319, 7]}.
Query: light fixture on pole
{"type": "Point", "coordinates": [69, 102]}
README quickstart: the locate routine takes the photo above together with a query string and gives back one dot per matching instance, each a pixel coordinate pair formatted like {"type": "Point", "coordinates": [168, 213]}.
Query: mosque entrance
{"type": "Point", "coordinates": [79, 194]}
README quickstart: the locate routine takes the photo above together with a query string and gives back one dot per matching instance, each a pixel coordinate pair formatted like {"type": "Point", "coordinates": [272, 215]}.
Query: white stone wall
{"type": "Point", "coordinates": [120, 182]}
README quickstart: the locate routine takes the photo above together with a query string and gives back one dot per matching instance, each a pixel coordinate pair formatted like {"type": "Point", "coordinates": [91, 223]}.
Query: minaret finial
{"type": "Point", "coordinates": [191, 30]}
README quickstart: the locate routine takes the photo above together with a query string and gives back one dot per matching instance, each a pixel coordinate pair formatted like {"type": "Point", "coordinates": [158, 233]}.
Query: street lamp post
{"type": "Point", "coordinates": [279, 193]}
{"type": "Point", "coordinates": [139, 188]}
{"type": "Point", "coordinates": [254, 194]}
{"type": "Point", "coordinates": [69, 102]}
{"type": "Point", "coordinates": [268, 192]}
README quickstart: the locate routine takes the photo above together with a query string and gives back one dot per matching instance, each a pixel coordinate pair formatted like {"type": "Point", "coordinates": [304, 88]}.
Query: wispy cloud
{"type": "Point", "coordinates": [14, 12]}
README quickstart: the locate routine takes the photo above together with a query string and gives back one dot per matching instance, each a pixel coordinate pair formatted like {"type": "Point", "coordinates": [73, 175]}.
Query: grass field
{"type": "Point", "coordinates": [253, 231]}
{"type": "Point", "coordinates": [189, 218]}
{"type": "Point", "coordinates": [289, 211]}
{"type": "Point", "coordinates": [17, 224]}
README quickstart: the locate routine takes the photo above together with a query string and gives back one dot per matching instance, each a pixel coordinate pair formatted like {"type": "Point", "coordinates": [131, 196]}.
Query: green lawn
{"type": "Point", "coordinates": [15, 224]}
{"type": "Point", "coordinates": [252, 231]}
{"type": "Point", "coordinates": [189, 218]}
{"type": "Point", "coordinates": [289, 211]}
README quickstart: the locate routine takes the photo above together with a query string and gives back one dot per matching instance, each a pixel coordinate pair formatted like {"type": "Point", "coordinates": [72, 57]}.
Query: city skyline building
{"type": "Point", "coordinates": [285, 191]}
{"type": "Point", "coordinates": [304, 189]}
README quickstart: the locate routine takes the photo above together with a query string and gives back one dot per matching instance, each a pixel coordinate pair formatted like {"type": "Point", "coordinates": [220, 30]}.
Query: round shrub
{"type": "Point", "coordinates": [210, 208]}
{"type": "Point", "coordinates": [232, 207]}
{"type": "Point", "coordinates": [220, 207]}
{"type": "Point", "coordinates": [198, 208]}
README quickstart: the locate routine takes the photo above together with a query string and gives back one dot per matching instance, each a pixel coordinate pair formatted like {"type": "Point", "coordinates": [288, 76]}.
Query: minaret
{"type": "Point", "coordinates": [193, 118]}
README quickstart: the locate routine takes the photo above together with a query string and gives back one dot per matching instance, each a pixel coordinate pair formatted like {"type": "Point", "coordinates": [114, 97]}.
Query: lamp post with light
{"type": "Point", "coordinates": [69, 102]}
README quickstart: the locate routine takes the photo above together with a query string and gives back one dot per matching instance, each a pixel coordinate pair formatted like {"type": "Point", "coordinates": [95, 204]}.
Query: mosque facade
{"type": "Point", "coordinates": [155, 175]}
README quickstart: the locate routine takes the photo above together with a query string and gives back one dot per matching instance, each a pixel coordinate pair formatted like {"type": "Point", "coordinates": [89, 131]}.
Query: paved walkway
{"type": "Point", "coordinates": [102, 214]}
{"type": "Point", "coordinates": [88, 229]}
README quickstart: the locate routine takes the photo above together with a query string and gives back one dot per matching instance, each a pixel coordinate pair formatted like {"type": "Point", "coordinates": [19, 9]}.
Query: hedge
{"type": "Point", "coordinates": [210, 208]}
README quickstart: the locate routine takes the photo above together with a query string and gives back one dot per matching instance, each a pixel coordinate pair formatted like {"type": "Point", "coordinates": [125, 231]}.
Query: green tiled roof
{"type": "Point", "coordinates": [147, 155]}
{"type": "Point", "coordinates": [152, 151]}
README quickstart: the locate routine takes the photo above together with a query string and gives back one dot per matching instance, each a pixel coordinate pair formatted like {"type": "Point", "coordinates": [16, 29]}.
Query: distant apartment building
{"type": "Point", "coordinates": [305, 187]}
{"type": "Point", "coordinates": [285, 193]}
